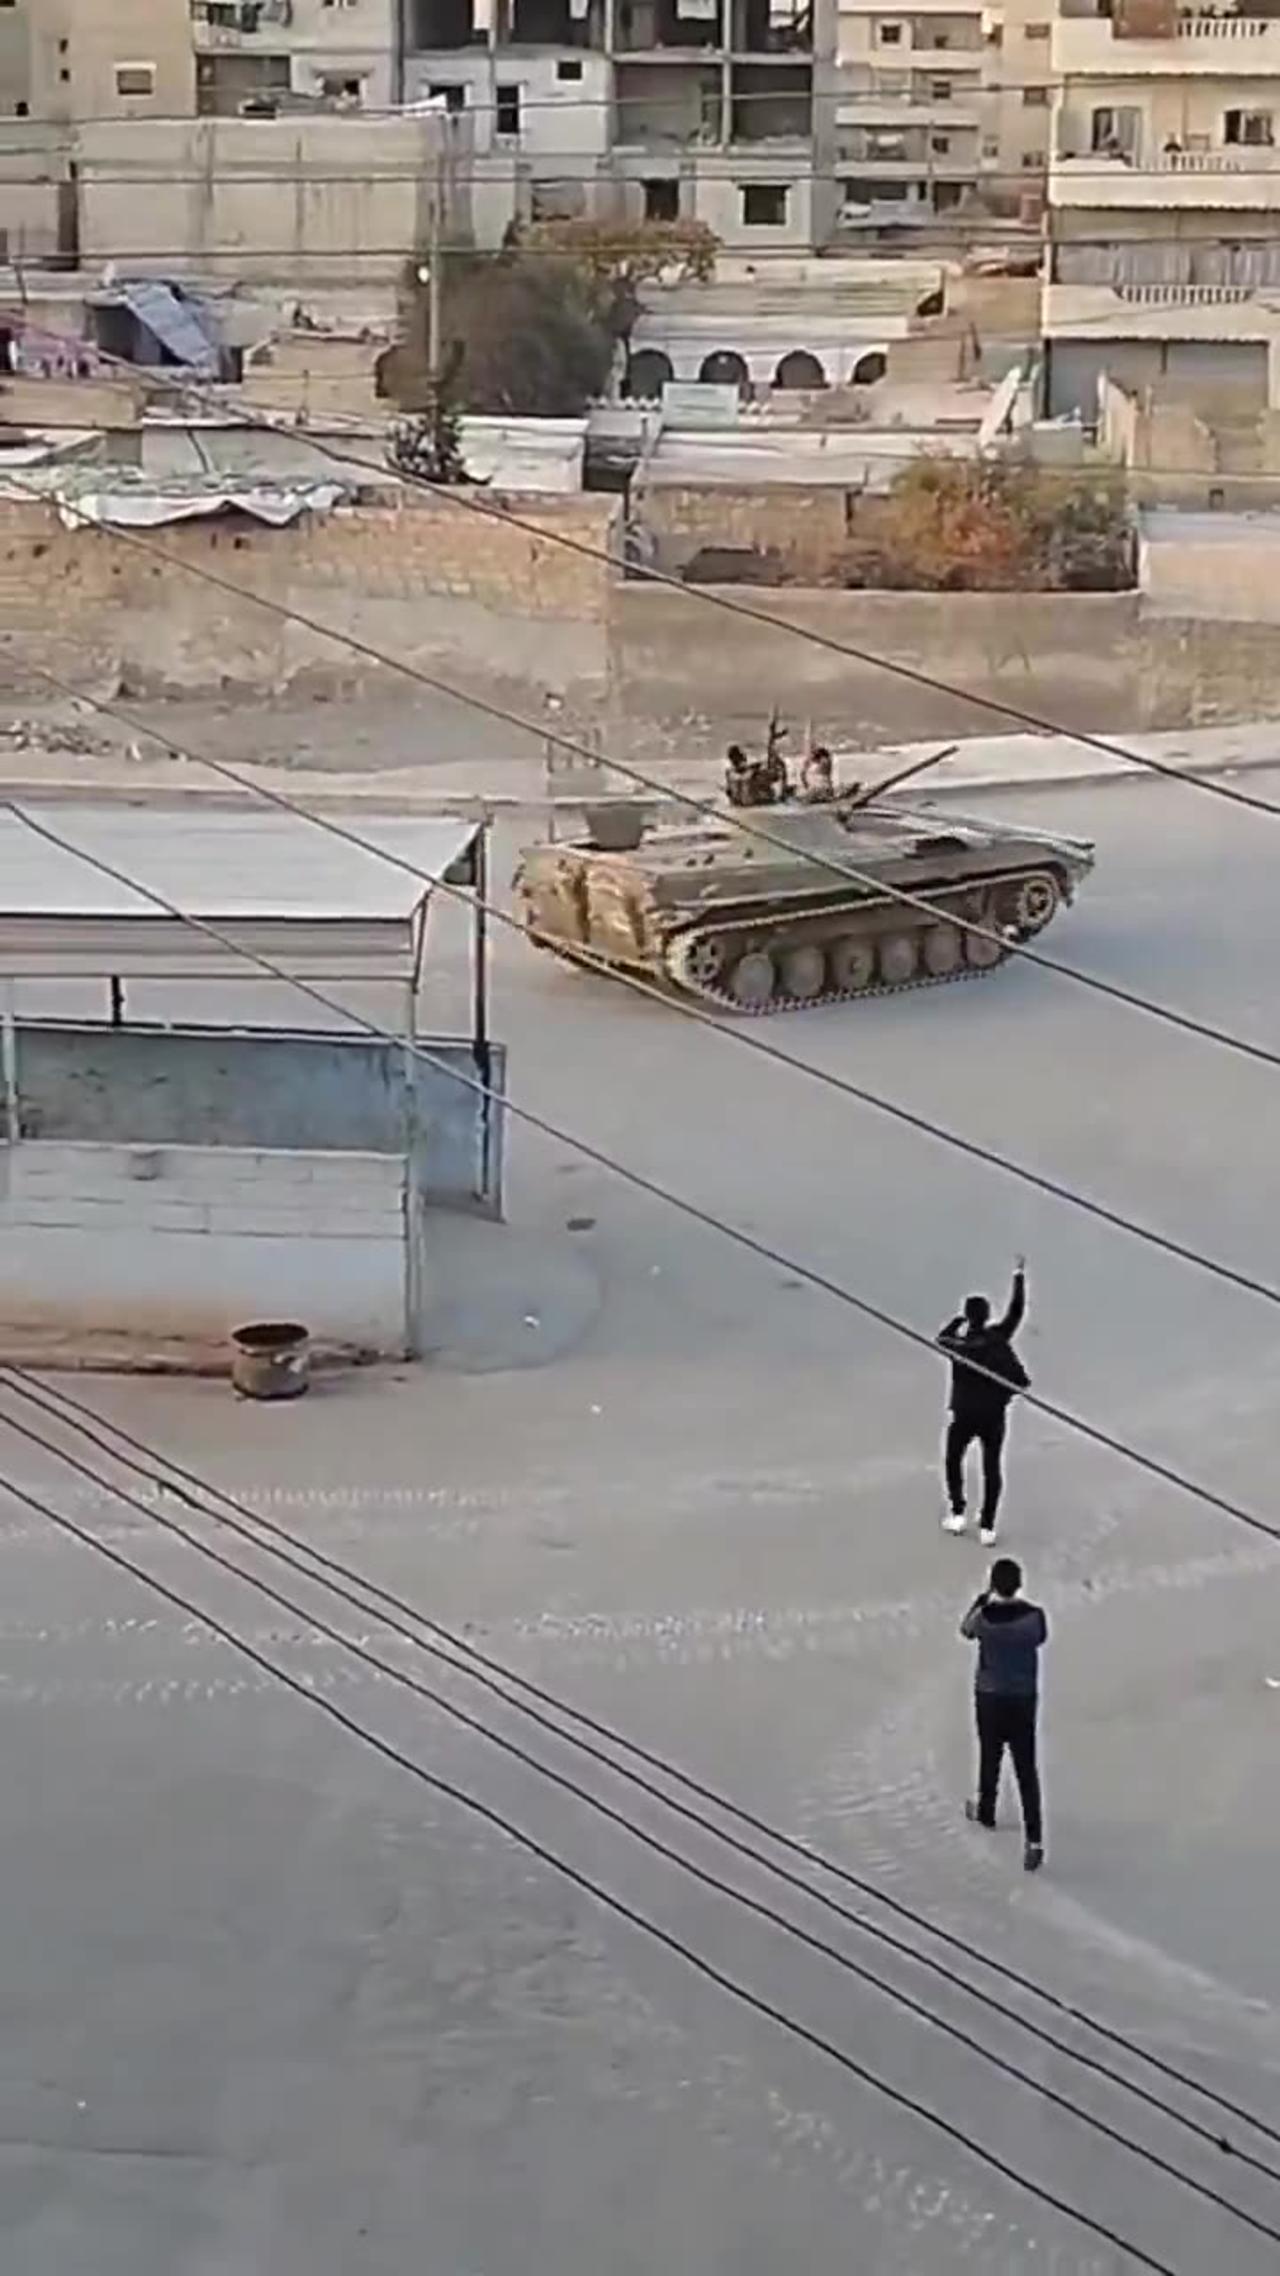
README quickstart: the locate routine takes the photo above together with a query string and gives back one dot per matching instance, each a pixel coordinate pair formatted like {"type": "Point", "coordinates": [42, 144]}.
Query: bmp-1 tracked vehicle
{"type": "Point", "coordinates": [797, 903]}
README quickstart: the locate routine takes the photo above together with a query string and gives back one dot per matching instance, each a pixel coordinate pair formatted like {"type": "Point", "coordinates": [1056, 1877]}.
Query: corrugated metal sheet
{"type": "Point", "coordinates": [266, 866]}
{"type": "Point", "coordinates": [294, 897]}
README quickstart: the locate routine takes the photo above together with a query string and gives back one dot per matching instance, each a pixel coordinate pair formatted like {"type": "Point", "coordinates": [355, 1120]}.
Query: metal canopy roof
{"type": "Point", "coordinates": [279, 888]}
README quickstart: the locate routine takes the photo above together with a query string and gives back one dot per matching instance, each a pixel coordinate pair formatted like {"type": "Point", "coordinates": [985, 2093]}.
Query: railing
{"type": "Point", "coordinates": [1192, 25]}
{"type": "Point", "coordinates": [1183, 295]}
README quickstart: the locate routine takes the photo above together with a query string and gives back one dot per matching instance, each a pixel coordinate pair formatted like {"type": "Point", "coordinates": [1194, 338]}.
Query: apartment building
{"type": "Point", "coordinates": [105, 59]}
{"type": "Point", "coordinates": [1163, 262]}
{"type": "Point", "coordinates": [719, 111]}
{"type": "Point", "coordinates": [942, 105]}
{"type": "Point", "coordinates": [256, 52]}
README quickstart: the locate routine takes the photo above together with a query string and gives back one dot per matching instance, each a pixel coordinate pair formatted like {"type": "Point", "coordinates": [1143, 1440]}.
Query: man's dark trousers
{"type": "Point", "coordinates": [988, 1429]}
{"type": "Point", "coordinates": [1005, 1720]}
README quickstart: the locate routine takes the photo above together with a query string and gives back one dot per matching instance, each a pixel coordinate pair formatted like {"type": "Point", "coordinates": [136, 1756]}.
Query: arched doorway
{"type": "Point", "coordinates": [799, 369]}
{"type": "Point", "coordinates": [869, 368]}
{"type": "Point", "coordinates": [648, 372]}
{"type": "Point", "coordinates": [725, 368]}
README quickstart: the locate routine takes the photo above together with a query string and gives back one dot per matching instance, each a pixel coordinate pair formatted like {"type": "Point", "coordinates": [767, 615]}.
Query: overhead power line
{"type": "Point", "coordinates": [455, 1652]}
{"type": "Point", "coordinates": [730, 818]}
{"type": "Point", "coordinates": [911, 674]}
{"type": "Point", "coordinates": [591, 1887]}
{"type": "Point", "coordinates": [861, 1094]}
{"type": "Point", "coordinates": [657, 1845]}
{"type": "Point", "coordinates": [1151, 1464]}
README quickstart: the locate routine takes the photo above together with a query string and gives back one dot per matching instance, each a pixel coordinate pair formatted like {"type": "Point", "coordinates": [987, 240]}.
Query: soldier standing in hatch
{"type": "Point", "coordinates": [986, 1373]}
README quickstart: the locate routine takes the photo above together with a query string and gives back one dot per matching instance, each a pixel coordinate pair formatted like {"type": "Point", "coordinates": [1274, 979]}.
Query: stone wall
{"type": "Point", "coordinates": [1071, 655]}
{"type": "Point", "coordinates": [425, 580]}
{"type": "Point", "coordinates": [190, 1242]}
{"type": "Point", "coordinates": [798, 528]}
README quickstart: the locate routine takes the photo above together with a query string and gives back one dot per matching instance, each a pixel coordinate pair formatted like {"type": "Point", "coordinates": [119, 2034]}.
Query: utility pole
{"type": "Point", "coordinates": [434, 342]}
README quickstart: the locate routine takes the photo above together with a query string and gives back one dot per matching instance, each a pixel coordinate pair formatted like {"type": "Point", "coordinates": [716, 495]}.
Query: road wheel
{"type": "Point", "coordinates": [983, 950]}
{"type": "Point", "coordinates": [853, 964]}
{"type": "Point", "coordinates": [898, 953]}
{"type": "Point", "coordinates": [942, 950]}
{"type": "Point", "coordinates": [752, 980]}
{"type": "Point", "coordinates": [804, 972]}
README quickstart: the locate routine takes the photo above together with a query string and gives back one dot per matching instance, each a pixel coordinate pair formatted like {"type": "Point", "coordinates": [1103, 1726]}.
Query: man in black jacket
{"type": "Point", "coordinates": [1010, 1634]}
{"type": "Point", "coordinates": [974, 1342]}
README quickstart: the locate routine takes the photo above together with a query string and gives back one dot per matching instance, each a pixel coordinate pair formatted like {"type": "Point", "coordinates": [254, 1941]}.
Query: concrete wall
{"type": "Point", "coordinates": [192, 1240]}
{"type": "Point", "coordinates": [354, 1095]}
{"type": "Point", "coordinates": [330, 195]}
{"type": "Point", "coordinates": [1105, 662]}
{"type": "Point", "coordinates": [424, 579]}
{"type": "Point", "coordinates": [1072, 656]}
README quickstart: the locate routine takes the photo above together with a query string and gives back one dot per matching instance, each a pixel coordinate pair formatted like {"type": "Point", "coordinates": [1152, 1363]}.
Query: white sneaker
{"type": "Point", "coordinates": [953, 1522]}
{"type": "Point", "coordinates": [986, 1535]}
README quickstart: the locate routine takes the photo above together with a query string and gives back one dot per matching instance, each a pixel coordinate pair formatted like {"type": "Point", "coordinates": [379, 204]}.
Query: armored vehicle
{"type": "Point", "coordinates": [797, 903]}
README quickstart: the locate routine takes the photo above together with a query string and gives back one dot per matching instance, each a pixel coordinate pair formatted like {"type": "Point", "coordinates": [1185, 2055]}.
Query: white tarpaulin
{"type": "Point", "coordinates": [150, 509]}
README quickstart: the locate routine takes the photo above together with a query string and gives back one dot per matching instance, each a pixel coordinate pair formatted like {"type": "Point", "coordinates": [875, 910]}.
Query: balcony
{"type": "Point", "coordinates": [896, 113]}
{"type": "Point", "coordinates": [1214, 47]}
{"type": "Point", "coordinates": [1159, 312]}
{"type": "Point", "coordinates": [1237, 180]}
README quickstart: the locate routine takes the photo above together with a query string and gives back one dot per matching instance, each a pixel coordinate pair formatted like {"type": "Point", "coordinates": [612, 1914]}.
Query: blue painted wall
{"type": "Point", "coordinates": [205, 1087]}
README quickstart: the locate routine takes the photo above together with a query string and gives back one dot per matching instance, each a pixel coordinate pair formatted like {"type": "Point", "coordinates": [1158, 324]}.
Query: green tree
{"type": "Point", "coordinates": [527, 338]}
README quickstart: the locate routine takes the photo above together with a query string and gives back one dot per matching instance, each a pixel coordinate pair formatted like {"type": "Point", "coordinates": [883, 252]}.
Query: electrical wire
{"type": "Point", "coordinates": [657, 1846]}
{"type": "Point", "coordinates": [641, 1183]}
{"type": "Point", "coordinates": [561, 1866]}
{"type": "Point", "coordinates": [711, 597]}
{"type": "Point", "coordinates": [861, 1094]}
{"type": "Point", "coordinates": [1061, 477]}
{"type": "Point", "coordinates": [724, 818]}
{"type": "Point", "coordinates": [65, 1411]}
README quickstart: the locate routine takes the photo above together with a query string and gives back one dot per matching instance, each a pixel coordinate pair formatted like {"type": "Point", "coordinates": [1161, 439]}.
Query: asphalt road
{"type": "Point", "coordinates": [269, 2007]}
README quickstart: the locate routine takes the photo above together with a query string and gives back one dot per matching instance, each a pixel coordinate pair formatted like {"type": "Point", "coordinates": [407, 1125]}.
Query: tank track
{"type": "Point", "coordinates": [724, 1002]}
{"type": "Point", "coordinates": [965, 906]}
{"type": "Point", "coordinates": [720, 1000]}
{"type": "Point", "coordinates": [682, 985]}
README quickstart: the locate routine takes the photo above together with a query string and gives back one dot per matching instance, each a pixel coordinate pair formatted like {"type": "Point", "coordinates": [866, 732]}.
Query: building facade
{"type": "Point", "coordinates": [719, 111]}
{"type": "Point", "coordinates": [1163, 261]}
{"type": "Point", "coordinates": [312, 51]}
{"type": "Point", "coordinates": [941, 105]}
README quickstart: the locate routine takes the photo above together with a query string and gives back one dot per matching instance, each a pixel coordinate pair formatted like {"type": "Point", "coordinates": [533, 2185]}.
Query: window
{"type": "Point", "coordinates": [337, 87]}
{"type": "Point", "coordinates": [940, 90]}
{"type": "Point", "coordinates": [1038, 31]}
{"type": "Point", "coordinates": [507, 107]}
{"type": "Point", "coordinates": [1033, 161]}
{"type": "Point", "coordinates": [764, 205]}
{"type": "Point", "coordinates": [662, 200]}
{"type": "Point", "coordinates": [1252, 127]}
{"type": "Point", "coordinates": [890, 35]}
{"type": "Point", "coordinates": [448, 92]}
{"type": "Point", "coordinates": [569, 67]}
{"type": "Point", "coordinates": [990, 146]}
{"type": "Point", "coordinates": [940, 144]}
{"type": "Point", "coordinates": [1035, 98]}
{"type": "Point", "coordinates": [132, 78]}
